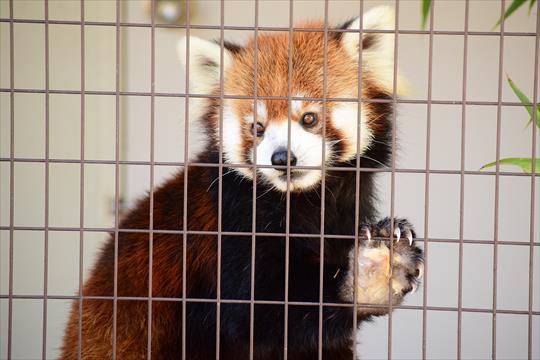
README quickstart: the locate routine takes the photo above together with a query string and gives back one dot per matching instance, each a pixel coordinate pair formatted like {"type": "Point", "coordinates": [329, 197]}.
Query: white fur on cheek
{"type": "Point", "coordinates": [345, 119]}
{"type": "Point", "coordinates": [232, 135]}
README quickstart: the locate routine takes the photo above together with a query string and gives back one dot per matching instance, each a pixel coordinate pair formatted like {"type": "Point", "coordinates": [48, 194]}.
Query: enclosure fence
{"type": "Point", "coordinates": [12, 160]}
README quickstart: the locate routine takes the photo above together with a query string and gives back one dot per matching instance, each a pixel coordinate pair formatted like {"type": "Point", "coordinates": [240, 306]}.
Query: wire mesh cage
{"type": "Point", "coordinates": [96, 110]}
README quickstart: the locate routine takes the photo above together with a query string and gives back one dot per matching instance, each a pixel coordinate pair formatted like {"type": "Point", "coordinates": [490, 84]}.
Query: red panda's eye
{"type": "Point", "coordinates": [259, 128]}
{"type": "Point", "coordinates": [309, 119]}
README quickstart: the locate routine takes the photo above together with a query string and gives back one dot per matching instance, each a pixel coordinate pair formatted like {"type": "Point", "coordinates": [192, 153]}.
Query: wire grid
{"type": "Point", "coordinates": [253, 234]}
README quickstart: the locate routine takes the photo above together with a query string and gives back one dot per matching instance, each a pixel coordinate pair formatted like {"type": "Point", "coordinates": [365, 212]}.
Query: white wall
{"type": "Point", "coordinates": [444, 206]}
{"type": "Point", "coordinates": [64, 179]}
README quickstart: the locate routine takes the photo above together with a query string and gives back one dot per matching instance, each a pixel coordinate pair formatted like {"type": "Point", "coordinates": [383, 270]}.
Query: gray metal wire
{"type": "Point", "coordinates": [185, 232]}
{"type": "Point", "coordinates": [427, 183]}
{"type": "Point", "coordinates": [497, 187]}
{"type": "Point", "coordinates": [462, 178]}
{"type": "Point", "coordinates": [533, 218]}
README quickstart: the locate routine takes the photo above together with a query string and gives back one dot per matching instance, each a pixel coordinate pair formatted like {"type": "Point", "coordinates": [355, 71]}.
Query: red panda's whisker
{"type": "Point", "coordinates": [216, 179]}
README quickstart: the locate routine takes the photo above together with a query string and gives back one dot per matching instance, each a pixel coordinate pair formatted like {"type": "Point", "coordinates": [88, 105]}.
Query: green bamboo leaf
{"type": "Point", "coordinates": [537, 117]}
{"type": "Point", "coordinates": [525, 100]}
{"type": "Point", "coordinates": [426, 5]}
{"type": "Point", "coordinates": [513, 7]}
{"type": "Point", "coordinates": [524, 163]}
{"type": "Point", "coordinates": [531, 4]}
{"type": "Point", "coordinates": [521, 96]}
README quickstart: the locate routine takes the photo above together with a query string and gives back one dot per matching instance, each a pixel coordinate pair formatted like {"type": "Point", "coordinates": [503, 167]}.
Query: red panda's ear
{"type": "Point", "coordinates": [204, 63]}
{"type": "Point", "coordinates": [377, 48]}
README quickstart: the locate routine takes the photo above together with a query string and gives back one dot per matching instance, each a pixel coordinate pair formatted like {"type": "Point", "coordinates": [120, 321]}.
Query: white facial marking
{"type": "Point", "coordinates": [345, 119]}
{"type": "Point", "coordinates": [296, 105]}
{"type": "Point", "coordinates": [306, 147]}
{"type": "Point", "coordinates": [232, 133]}
{"type": "Point", "coordinates": [262, 112]}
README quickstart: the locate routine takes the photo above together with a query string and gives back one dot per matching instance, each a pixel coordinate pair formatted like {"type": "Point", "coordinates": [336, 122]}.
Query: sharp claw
{"type": "Point", "coordinates": [409, 236]}
{"type": "Point", "coordinates": [397, 232]}
{"type": "Point", "coordinates": [414, 288]}
{"type": "Point", "coordinates": [420, 271]}
{"type": "Point", "coordinates": [365, 232]}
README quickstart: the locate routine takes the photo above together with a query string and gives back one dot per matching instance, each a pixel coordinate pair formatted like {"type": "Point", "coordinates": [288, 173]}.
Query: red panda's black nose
{"type": "Point", "coordinates": [279, 157]}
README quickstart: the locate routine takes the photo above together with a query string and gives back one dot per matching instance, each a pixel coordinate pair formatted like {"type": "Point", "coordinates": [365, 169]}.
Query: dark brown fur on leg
{"type": "Point", "coordinates": [133, 249]}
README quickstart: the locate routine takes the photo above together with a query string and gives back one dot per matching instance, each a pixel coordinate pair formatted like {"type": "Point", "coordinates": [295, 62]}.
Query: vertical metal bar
{"type": "Point", "coordinates": [81, 190]}
{"type": "Point", "coordinates": [46, 220]}
{"type": "Point", "coordinates": [323, 179]}
{"type": "Point", "coordinates": [393, 177]}
{"type": "Point", "coordinates": [533, 219]}
{"type": "Point", "coordinates": [254, 194]}
{"type": "Point", "coordinates": [462, 177]}
{"type": "Point", "coordinates": [220, 173]}
{"type": "Point", "coordinates": [427, 179]}
{"type": "Point", "coordinates": [11, 175]}
{"type": "Point", "coordinates": [186, 170]}
{"type": "Point", "coordinates": [116, 178]}
{"type": "Point", "coordinates": [497, 184]}
{"type": "Point", "coordinates": [357, 179]}
{"type": "Point", "coordinates": [288, 192]}
{"type": "Point", "coordinates": [152, 135]}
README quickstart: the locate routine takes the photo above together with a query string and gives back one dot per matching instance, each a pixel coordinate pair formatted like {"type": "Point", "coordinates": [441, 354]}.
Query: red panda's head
{"type": "Point", "coordinates": [268, 118]}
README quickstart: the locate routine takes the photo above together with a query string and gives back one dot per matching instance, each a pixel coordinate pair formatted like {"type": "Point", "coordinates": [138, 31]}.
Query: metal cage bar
{"type": "Point", "coordinates": [11, 176]}
{"type": "Point", "coordinates": [288, 192]}
{"type": "Point", "coordinates": [254, 193]}
{"type": "Point", "coordinates": [46, 190]}
{"type": "Point", "coordinates": [260, 97]}
{"type": "Point", "coordinates": [262, 28]}
{"type": "Point", "coordinates": [81, 184]}
{"type": "Point", "coordinates": [220, 172]}
{"type": "Point", "coordinates": [462, 177]}
{"type": "Point", "coordinates": [116, 178]}
{"type": "Point", "coordinates": [282, 167]}
{"type": "Point", "coordinates": [497, 185]}
{"type": "Point", "coordinates": [152, 168]}
{"type": "Point", "coordinates": [533, 185]}
{"type": "Point", "coordinates": [184, 192]}
{"type": "Point", "coordinates": [275, 302]}
{"type": "Point", "coordinates": [185, 232]}
{"type": "Point", "coordinates": [323, 179]}
{"type": "Point", "coordinates": [357, 182]}
{"type": "Point", "coordinates": [241, 233]}
{"type": "Point", "coordinates": [426, 182]}
{"type": "Point", "coordinates": [393, 174]}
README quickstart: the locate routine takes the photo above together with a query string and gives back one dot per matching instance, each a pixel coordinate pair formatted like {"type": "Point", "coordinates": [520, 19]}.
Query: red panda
{"type": "Point", "coordinates": [261, 136]}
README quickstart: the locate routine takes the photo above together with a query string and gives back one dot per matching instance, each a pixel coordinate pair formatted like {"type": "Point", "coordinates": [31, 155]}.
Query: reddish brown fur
{"type": "Point", "coordinates": [309, 70]}
{"type": "Point", "coordinates": [133, 247]}
{"type": "Point", "coordinates": [308, 63]}
{"type": "Point", "coordinates": [97, 315]}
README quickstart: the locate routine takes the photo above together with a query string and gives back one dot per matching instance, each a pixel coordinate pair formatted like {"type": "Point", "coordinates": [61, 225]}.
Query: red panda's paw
{"type": "Point", "coordinates": [380, 276]}
{"type": "Point", "coordinates": [381, 231]}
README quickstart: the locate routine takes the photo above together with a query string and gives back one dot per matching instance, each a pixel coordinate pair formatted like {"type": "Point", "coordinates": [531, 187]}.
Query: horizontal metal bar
{"type": "Point", "coordinates": [265, 28]}
{"type": "Point", "coordinates": [297, 167]}
{"type": "Point", "coordinates": [261, 97]}
{"type": "Point", "coordinates": [266, 302]}
{"type": "Point", "coordinates": [244, 233]}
